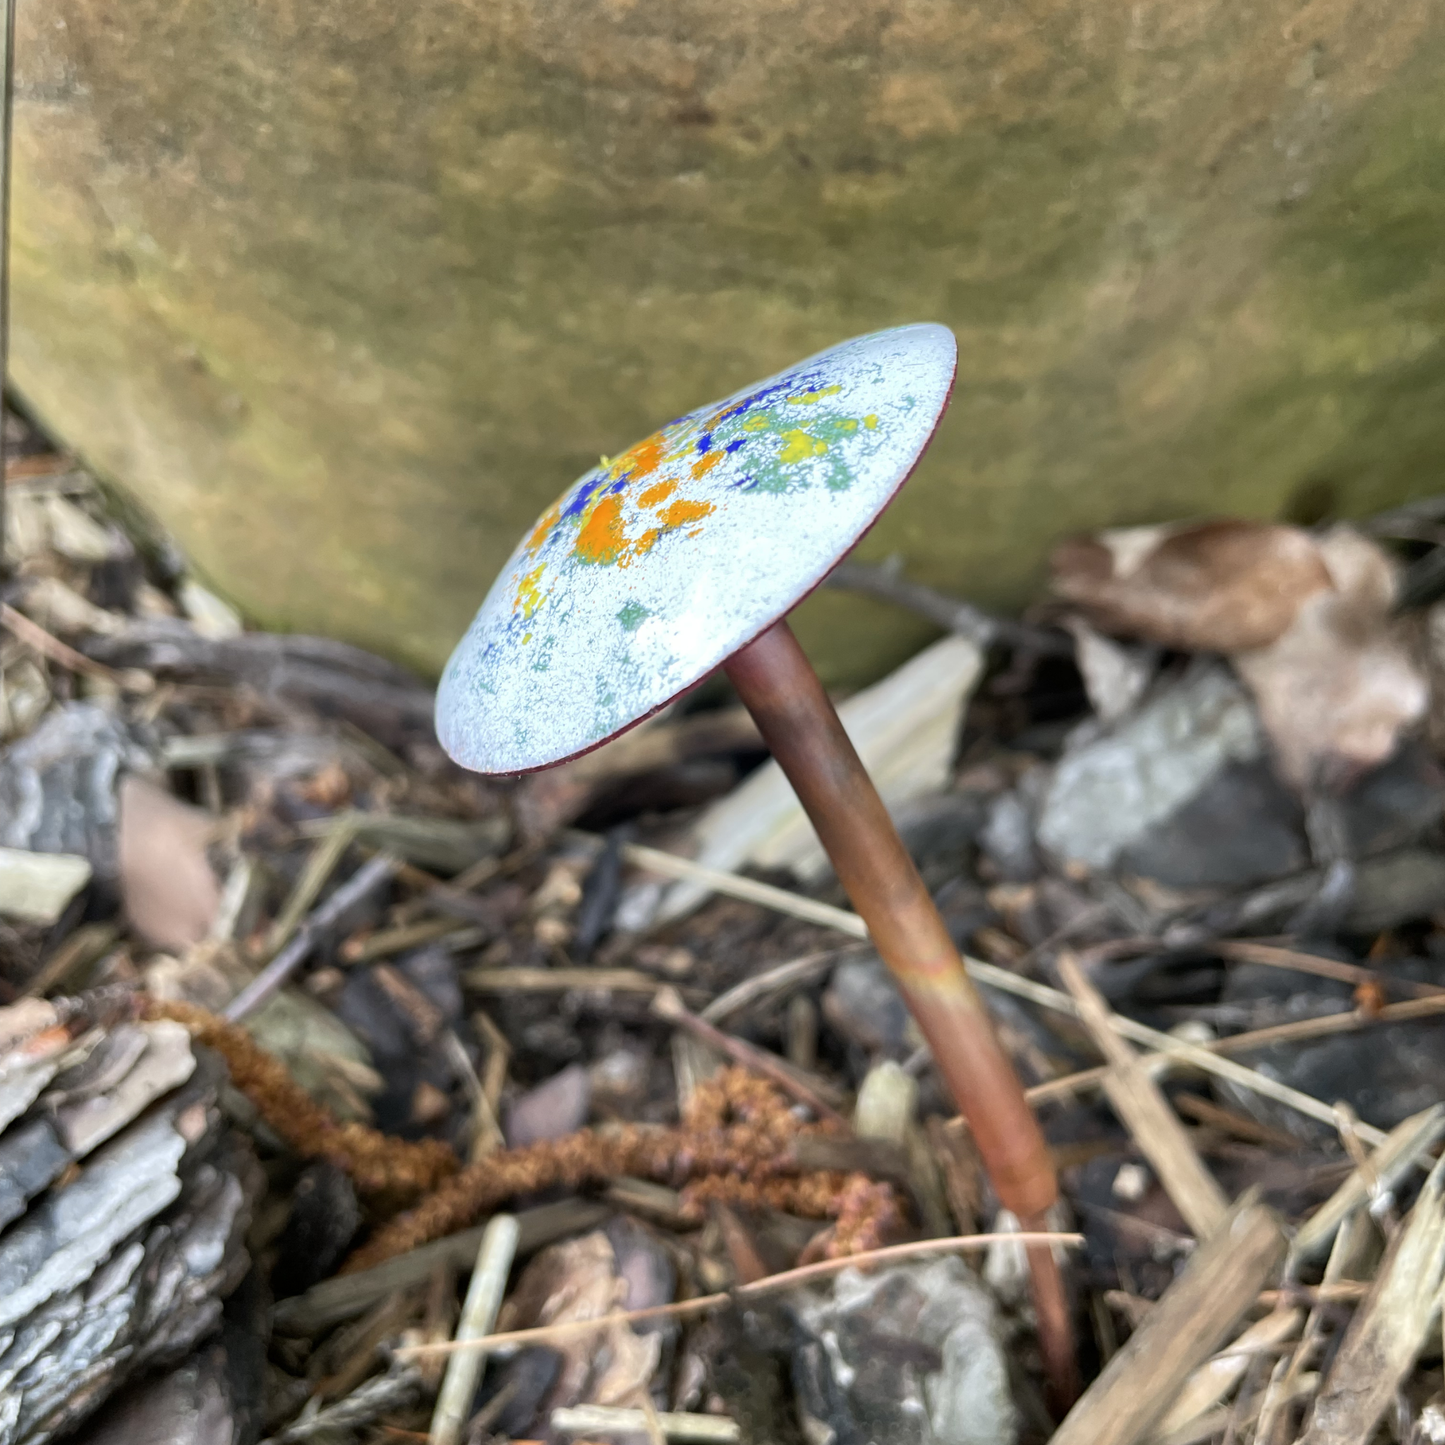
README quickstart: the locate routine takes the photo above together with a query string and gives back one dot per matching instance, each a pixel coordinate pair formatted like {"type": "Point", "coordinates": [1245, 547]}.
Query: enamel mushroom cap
{"type": "Point", "coordinates": [659, 564]}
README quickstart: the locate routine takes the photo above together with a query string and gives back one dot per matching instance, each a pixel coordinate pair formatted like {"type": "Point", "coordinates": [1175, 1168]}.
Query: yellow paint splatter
{"type": "Point", "coordinates": [641, 459]}
{"type": "Point", "coordinates": [799, 446]}
{"type": "Point", "coordinates": [871, 421]}
{"type": "Point", "coordinates": [529, 595]}
{"type": "Point", "coordinates": [807, 398]}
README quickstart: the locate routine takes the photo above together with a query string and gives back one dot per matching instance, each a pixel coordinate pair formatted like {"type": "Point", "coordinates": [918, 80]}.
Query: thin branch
{"type": "Point", "coordinates": [371, 875]}
{"type": "Point", "coordinates": [947, 612]}
{"type": "Point", "coordinates": [37, 639]}
{"type": "Point", "coordinates": [704, 1304]}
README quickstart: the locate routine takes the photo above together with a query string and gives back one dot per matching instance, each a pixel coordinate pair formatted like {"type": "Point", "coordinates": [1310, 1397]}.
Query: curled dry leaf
{"type": "Point", "coordinates": [578, 1281]}
{"type": "Point", "coordinates": [1338, 687]}
{"type": "Point", "coordinates": [1306, 621]}
{"type": "Point", "coordinates": [1215, 586]}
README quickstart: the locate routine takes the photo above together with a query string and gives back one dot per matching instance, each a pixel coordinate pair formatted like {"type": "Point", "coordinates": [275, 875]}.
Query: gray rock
{"type": "Point", "coordinates": [910, 1354]}
{"type": "Point", "coordinates": [1244, 827]}
{"type": "Point", "coordinates": [1110, 789]}
{"type": "Point", "coordinates": [30, 1158]}
{"type": "Point", "coordinates": [863, 1003]}
{"type": "Point", "coordinates": [58, 1245]}
{"type": "Point", "coordinates": [1396, 888]}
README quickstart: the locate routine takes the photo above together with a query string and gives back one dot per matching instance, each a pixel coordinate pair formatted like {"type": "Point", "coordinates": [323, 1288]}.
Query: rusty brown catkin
{"type": "Point", "coordinates": [735, 1145]}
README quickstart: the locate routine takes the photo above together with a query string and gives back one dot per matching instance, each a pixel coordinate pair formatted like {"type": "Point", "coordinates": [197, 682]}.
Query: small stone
{"type": "Point", "coordinates": [550, 1110]}
{"type": "Point", "coordinates": [428, 1104]}
{"type": "Point", "coordinates": [909, 1354]}
{"type": "Point", "coordinates": [863, 1003]}
{"type": "Point", "coordinates": [1131, 1183]}
{"type": "Point", "coordinates": [1108, 791]}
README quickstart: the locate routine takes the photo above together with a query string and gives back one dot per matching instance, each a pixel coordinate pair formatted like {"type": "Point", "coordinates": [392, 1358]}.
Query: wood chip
{"type": "Point", "coordinates": [1194, 1317]}
{"type": "Point", "coordinates": [1389, 1329]}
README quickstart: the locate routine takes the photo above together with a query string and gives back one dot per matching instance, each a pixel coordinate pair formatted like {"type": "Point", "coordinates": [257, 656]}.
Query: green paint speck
{"type": "Point", "coordinates": [632, 614]}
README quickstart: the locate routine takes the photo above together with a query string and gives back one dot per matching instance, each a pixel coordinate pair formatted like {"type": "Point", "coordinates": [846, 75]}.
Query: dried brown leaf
{"type": "Point", "coordinates": [578, 1281]}
{"type": "Point", "coordinates": [1215, 586]}
{"type": "Point", "coordinates": [1338, 687]}
{"type": "Point", "coordinates": [170, 892]}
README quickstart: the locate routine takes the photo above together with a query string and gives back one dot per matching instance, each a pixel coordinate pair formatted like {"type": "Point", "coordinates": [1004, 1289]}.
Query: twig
{"type": "Point", "coordinates": [1298, 1032]}
{"type": "Point", "coordinates": [559, 980]}
{"type": "Point", "coordinates": [668, 1005]}
{"type": "Point", "coordinates": [946, 612]}
{"type": "Point", "coordinates": [673, 1424]}
{"type": "Point", "coordinates": [1244, 951]}
{"type": "Point", "coordinates": [1191, 1320]}
{"type": "Point", "coordinates": [1137, 1101]}
{"type": "Point", "coordinates": [395, 1390]}
{"type": "Point", "coordinates": [371, 875]}
{"type": "Point", "coordinates": [733, 885]}
{"type": "Point", "coordinates": [319, 867]}
{"type": "Point", "coordinates": [37, 639]}
{"type": "Point", "coordinates": [479, 1315]}
{"type": "Point", "coordinates": [771, 982]}
{"type": "Point", "coordinates": [704, 1304]}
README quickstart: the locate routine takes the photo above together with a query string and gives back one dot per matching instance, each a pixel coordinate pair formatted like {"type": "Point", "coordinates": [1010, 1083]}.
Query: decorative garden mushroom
{"type": "Point", "coordinates": [685, 554]}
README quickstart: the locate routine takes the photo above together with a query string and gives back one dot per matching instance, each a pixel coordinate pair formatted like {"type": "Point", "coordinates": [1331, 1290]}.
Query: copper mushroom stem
{"type": "Point", "coordinates": [781, 690]}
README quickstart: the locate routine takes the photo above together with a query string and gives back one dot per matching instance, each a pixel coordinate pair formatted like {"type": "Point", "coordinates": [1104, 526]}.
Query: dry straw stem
{"type": "Point", "coordinates": [1143, 1109]}
{"type": "Point", "coordinates": [1269, 956]}
{"type": "Point", "coordinates": [559, 980]}
{"type": "Point", "coordinates": [1205, 1059]}
{"type": "Point", "coordinates": [670, 1424]}
{"type": "Point", "coordinates": [1405, 1145]}
{"type": "Point", "coordinates": [788, 1279]}
{"type": "Point", "coordinates": [1214, 1379]}
{"type": "Point", "coordinates": [479, 1314]}
{"type": "Point", "coordinates": [1301, 1031]}
{"type": "Point", "coordinates": [1193, 1318]}
{"type": "Point", "coordinates": [1389, 1329]}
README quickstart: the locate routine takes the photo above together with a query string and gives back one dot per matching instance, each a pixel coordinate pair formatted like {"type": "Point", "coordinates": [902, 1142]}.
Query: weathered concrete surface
{"type": "Point", "coordinates": [348, 291]}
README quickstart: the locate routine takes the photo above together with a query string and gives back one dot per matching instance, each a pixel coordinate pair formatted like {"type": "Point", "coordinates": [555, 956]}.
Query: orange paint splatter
{"type": "Point", "coordinates": [642, 459]}
{"type": "Point", "coordinates": [659, 492]}
{"type": "Point", "coordinates": [540, 532]}
{"type": "Point", "coordinates": [705, 463]}
{"type": "Point", "coordinates": [600, 539]}
{"type": "Point", "coordinates": [679, 514]}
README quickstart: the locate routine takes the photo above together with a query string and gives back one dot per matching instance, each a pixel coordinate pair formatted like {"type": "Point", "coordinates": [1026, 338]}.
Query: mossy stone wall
{"type": "Point", "coordinates": [348, 291]}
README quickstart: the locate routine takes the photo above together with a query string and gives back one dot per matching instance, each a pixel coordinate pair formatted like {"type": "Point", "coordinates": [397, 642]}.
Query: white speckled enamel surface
{"type": "Point", "coordinates": [657, 565]}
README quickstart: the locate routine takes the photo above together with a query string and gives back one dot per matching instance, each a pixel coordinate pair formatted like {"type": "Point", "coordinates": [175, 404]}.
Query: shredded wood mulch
{"type": "Point", "coordinates": [320, 1058]}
